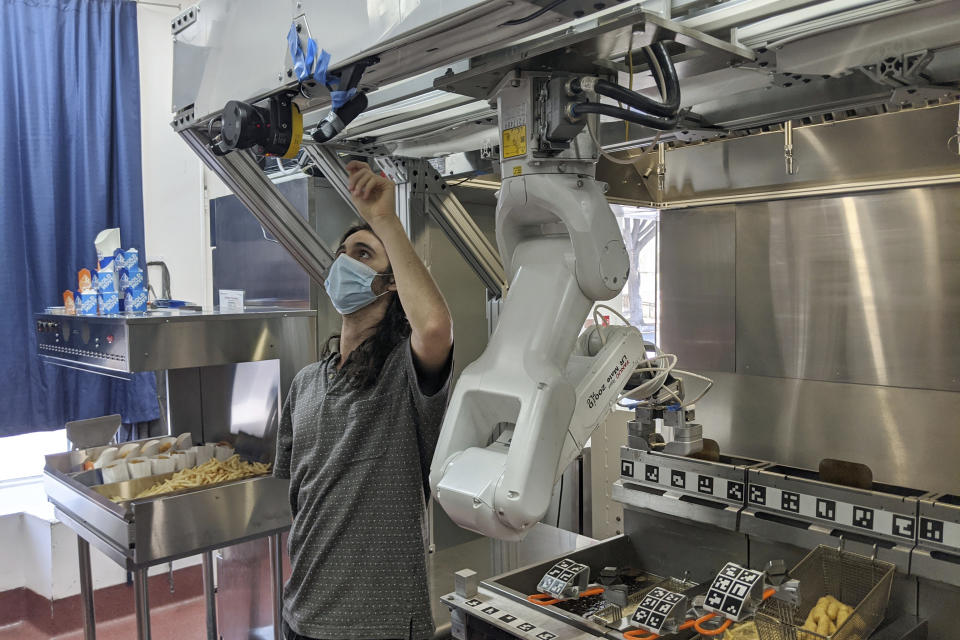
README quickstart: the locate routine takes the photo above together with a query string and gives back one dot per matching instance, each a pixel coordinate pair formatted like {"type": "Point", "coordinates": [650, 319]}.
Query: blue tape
{"type": "Point", "coordinates": [296, 54]}
{"type": "Point", "coordinates": [311, 55]}
{"type": "Point", "coordinates": [320, 71]}
{"type": "Point", "coordinates": [310, 63]}
{"type": "Point", "coordinates": [340, 98]}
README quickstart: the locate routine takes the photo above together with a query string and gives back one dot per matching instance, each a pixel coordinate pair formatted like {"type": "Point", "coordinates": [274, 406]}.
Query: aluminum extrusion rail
{"type": "Point", "coordinates": [252, 186]}
{"type": "Point", "coordinates": [440, 203]}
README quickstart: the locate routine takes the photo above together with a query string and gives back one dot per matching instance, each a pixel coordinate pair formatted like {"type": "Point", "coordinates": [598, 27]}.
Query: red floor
{"type": "Point", "coordinates": [179, 621]}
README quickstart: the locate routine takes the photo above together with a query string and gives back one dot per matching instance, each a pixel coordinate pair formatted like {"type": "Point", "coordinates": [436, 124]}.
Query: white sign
{"type": "Point", "coordinates": [231, 300]}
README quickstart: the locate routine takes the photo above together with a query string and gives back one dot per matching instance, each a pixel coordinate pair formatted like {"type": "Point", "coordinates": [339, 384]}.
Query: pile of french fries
{"type": "Point", "coordinates": [827, 616]}
{"type": "Point", "coordinates": [211, 472]}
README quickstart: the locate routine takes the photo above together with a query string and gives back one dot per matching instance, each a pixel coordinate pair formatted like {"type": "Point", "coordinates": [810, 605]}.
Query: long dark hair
{"type": "Point", "coordinates": [365, 362]}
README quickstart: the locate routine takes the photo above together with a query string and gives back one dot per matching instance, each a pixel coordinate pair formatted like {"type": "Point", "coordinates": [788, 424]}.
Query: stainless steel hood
{"type": "Point", "coordinates": [814, 62]}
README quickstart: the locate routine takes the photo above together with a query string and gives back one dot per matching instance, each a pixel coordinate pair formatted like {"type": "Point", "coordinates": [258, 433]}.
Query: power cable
{"type": "Point", "coordinates": [534, 15]}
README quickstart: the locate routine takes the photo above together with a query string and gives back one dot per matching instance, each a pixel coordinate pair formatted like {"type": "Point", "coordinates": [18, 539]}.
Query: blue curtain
{"type": "Point", "coordinates": [69, 167]}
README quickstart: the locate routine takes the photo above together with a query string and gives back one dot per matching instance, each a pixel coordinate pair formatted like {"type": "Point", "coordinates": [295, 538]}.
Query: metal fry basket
{"type": "Point", "coordinates": [855, 580]}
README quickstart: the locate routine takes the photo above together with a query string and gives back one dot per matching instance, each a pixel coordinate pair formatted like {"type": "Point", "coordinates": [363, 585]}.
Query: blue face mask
{"type": "Point", "coordinates": [349, 284]}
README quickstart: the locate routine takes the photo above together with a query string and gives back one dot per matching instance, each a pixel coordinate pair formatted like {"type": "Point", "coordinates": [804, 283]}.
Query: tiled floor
{"type": "Point", "coordinates": [180, 621]}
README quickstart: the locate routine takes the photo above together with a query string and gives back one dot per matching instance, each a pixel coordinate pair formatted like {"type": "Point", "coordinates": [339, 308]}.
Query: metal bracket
{"type": "Point", "coordinates": [183, 119]}
{"type": "Point", "coordinates": [184, 19]}
{"type": "Point", "coordinates": [900, 71]}
{"type": "Point", "coordinates": [789, 165]}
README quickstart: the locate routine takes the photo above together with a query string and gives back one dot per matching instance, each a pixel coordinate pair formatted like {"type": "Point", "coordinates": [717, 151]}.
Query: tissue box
{"type": "Point", "coordinates": [126, 259]}
{"type": "Point", "coordinates": [131, 278]}
{"type": "Point", "coordinates": [135, 299]}
{"type": "Point", "coordinates": [86, 303]}
{"type": "Point", "coordinates": [109, 302]}
{"type": "Point", "coordinates": [107, 281]}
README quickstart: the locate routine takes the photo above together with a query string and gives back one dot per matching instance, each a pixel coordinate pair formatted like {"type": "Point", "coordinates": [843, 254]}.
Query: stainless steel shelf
{"type": "Point", "coordinates": [169, 339]}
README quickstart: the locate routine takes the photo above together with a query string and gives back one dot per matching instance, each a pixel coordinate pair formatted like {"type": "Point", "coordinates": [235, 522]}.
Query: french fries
{"type": "Point", "coordinates": [211, 472]}
{"type": "Point", "coordinates": [827, 616]}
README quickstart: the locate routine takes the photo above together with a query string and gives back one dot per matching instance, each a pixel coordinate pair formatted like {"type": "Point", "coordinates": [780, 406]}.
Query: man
{"type": "Point", "coordinates": [357, 435]}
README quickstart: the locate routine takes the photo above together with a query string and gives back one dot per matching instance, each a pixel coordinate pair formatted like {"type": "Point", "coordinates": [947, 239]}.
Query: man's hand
{"type": "Point", "coordinates": [373, 195]}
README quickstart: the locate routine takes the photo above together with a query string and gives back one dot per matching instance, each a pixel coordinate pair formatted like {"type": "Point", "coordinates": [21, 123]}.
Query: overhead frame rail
{"type": "Point", "coordinates": [441, 204]}
{"type": "Point", "coordinates": [421, 187]}
{"type": "Point", "coordinates": [243, 176]}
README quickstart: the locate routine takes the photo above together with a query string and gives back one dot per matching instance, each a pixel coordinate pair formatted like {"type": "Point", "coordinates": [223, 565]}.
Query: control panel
{"type": "Point", "coordinates": [97, 342]}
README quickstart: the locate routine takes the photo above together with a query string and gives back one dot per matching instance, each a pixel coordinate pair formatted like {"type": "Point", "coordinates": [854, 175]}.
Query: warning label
{"type": "Point", "coordinates": [515, 142]}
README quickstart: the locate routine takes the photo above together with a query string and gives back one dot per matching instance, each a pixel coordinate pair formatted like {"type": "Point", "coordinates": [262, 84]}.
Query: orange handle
{"type": "Point", "coordinates": [686, 625]}
{"type": "Point", "coordinates": [542, 599]}
{"type": "Point", "coordinates": [633, 635]}
{"type": "Point", "coordinates": [768, 593]}
{"type": "Point", "coordinates": [711, 632]}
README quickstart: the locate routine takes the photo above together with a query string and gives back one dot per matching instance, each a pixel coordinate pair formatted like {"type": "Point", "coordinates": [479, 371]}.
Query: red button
{"type": "Point", "coordinates": [110, 339]}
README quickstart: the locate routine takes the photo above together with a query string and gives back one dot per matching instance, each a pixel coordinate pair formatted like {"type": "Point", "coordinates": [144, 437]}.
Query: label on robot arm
{"type": "Point", "coordinates": [514, 142]}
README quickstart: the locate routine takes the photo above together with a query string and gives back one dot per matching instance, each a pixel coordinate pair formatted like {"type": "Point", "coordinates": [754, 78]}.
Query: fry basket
{"type": "Point", "coordinates": [861, 582]}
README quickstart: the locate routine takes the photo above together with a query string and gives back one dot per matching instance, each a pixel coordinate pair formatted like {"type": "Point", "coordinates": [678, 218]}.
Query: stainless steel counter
{"type": "Point", "coordinates": [153, 530]}
{"type": "Point", "coordinates": [225, 377]}
{"type": "Point", "coordinates": [140, 533]}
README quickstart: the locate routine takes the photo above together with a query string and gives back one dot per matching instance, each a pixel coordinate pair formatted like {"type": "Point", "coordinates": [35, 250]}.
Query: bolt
{"type": "Point", "coordinates": [618, 531]}
{"type": "Point", "coordinates": [579, 184]}
{"type": "Point", "coordinates": [514, 83]}
{"type": "Point", "coordinates": [618, 518]}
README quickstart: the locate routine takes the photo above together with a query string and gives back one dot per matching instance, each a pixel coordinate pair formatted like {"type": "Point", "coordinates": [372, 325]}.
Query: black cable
{"type": "Point", "coordinates": [533, 16]}
{"type": "Point", "coordinates": [668, 108]}
{"type": "Point", "coordinates": [637, 117]}
{"type": "Point", "coordinates": [559, 501]}
{"type": "Point", "coordinates": [580, 494]}
{"type": "Point", "coordinates": [670, 87]}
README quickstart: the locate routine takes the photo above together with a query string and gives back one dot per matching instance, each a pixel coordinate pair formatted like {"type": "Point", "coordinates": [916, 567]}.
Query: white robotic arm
{"type": "Point", "coordinates": [528, 377]}
{"type": "Point", "coordinates": [563, 251]}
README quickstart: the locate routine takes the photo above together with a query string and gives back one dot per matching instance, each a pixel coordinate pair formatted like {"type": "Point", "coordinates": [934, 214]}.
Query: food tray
{"type": "Point", "coordinates": [127, 489]}
{"type": "Point", "coordinates": [856, 580]}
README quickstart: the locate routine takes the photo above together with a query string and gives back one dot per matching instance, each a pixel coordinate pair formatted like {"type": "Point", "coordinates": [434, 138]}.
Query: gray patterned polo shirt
{"type": "Point", "coordinates": [358, 464]}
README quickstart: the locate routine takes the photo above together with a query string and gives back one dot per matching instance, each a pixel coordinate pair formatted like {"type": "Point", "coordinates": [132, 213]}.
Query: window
{"type": "Point", "coordinates": [22, 456]}
{"type": "Point", "coordinates": [639, 301]}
